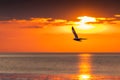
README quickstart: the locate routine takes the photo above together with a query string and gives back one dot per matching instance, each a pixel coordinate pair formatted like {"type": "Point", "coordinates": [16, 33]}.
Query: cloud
{"type": "Point", "coordinates": [32, 27]}
{"type": "Point", "coordinates": [112, 20]}
{"type": "Point", "coordinates": [50, 22]}
{"type": "Point", "coordinates": [117, 15]}
{"type": "Point", "coordinates": [34, 23]}
{"type": "Point", "coordinates": [56, 25]}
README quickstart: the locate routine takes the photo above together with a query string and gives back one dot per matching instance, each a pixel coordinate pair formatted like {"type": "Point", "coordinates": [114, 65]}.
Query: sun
{"type": "Point", "coordinates": [83, 27]}
{"type": "Point", "coordinates": [86, 19]}
{"type": "Point", "coordinates": [83, 20]}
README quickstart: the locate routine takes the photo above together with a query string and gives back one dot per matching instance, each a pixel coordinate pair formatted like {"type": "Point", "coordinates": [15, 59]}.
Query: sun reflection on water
{"type": "Point", "coordinates": [85, 67]}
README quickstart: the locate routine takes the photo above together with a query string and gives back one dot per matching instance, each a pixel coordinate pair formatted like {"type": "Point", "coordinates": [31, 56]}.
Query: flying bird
{"type": "Point", "coordinates": [76, 36]}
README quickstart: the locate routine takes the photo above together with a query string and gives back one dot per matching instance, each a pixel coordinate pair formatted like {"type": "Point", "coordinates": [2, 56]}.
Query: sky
{"type": "Point", "coordinates": [68, 9]}
{"type": "Point", "coordinates": [45, 25]}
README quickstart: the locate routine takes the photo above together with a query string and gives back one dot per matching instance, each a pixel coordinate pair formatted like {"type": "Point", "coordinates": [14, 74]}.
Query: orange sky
{"type": "Point", "coordinates": [55, 35]}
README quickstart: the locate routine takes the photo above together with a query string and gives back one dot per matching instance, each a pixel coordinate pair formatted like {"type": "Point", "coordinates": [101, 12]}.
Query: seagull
{"type": "Point", "coordinates": [76, 36]}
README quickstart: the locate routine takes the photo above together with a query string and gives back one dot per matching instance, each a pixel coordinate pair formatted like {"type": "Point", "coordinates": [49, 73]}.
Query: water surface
{"type": "Point", "coordinates": [83, 66]}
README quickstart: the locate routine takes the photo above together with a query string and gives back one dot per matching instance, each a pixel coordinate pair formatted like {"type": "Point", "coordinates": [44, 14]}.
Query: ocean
{"type": "Point", "coordinates": [60, 66]}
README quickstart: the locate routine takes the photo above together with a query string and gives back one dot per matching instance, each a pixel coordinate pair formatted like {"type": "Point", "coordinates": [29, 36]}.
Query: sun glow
{"type": "Point", "coordinates": [84, 20]}
{"type": "Point", "coordinates": [85, 25]}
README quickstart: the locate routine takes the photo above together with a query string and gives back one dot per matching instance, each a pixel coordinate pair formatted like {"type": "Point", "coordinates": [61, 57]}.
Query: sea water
{"type": "Point", "coordinates": [60, 66]}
